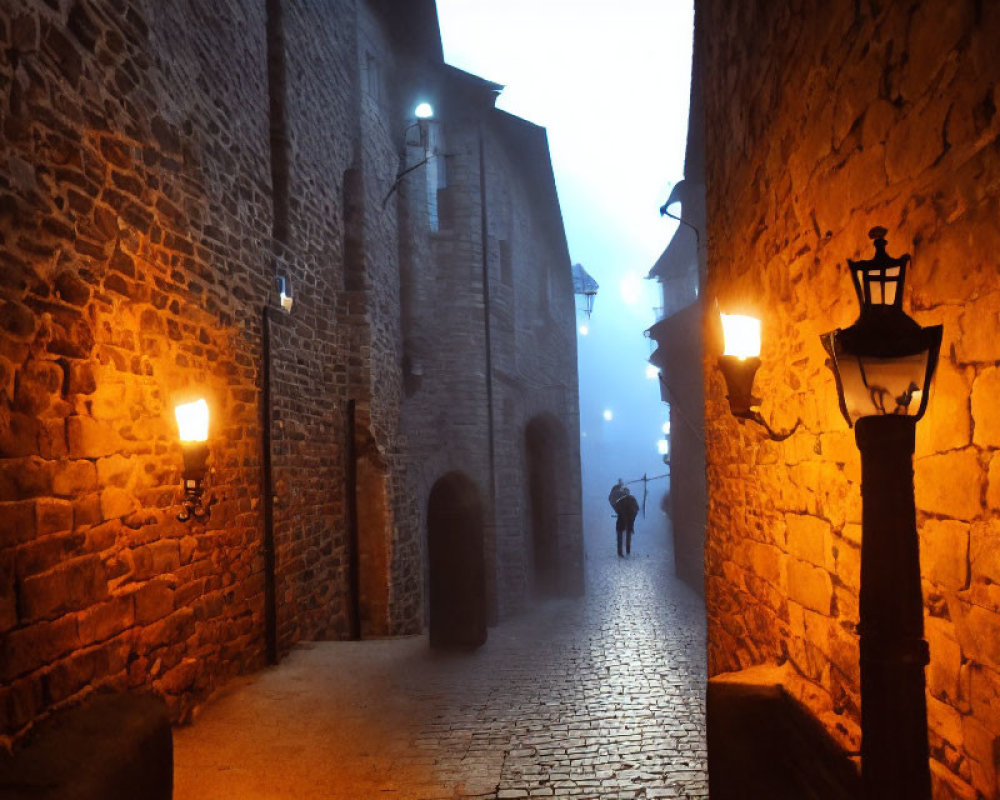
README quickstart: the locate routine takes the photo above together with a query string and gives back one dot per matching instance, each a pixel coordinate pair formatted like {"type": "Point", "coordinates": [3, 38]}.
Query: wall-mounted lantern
{"type": "Point", "coordinates": [285, 293]}
{"type": "Point", "coordinates": [739, 364]}
{"type": "Point", "coordinates": [192, 425]}
{"type": "Point", "coordinates": [883, 365]}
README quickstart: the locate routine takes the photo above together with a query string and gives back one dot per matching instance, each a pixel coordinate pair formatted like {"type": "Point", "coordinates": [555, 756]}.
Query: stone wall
{"type": "Point", "coordinates": [136, 257]}
{"type": "Point", "coordinates": [160, 164]}
{"type": "Point", "coordinates": [823, 120]}
{"type": "Point", "coordinates": [476, 382]}
{"type": "Point", "coordinates": [134, 249]}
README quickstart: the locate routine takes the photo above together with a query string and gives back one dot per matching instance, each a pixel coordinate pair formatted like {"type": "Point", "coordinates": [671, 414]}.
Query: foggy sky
{"type": "Point", "coordinates": [610, 81]}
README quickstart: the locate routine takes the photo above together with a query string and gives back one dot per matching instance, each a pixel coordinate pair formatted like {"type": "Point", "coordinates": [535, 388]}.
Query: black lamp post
{"type": "Point", "coordinates": [883, 365]}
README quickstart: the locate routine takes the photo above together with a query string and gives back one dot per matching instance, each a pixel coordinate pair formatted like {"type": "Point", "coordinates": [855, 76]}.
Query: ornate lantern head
{"type": "Point", "coordinates": [884, 362]}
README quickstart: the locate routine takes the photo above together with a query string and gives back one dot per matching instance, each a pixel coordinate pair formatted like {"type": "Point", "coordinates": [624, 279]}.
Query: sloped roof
{"type": "Point", "coordinates": [583, 282]}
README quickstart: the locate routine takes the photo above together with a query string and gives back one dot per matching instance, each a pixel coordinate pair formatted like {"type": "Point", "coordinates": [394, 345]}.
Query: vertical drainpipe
{"type": "Point", "coordinates": [492, 612]}
{"type": "Point", "coordinates": [279, 236]}
{"type": "Point", "coordinates": [353, 557]}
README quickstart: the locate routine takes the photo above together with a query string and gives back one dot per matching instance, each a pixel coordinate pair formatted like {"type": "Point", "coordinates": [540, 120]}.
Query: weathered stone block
{"type": "Point", "coordinates": [36, 385]}
{"type": "Point", "coordinates": [944, 553]}
{"type": "Point", "coordinates": [115, 470]}
{"type": "Point", "coordinates": [767, 562]}
{"type": "Point", "coordinates": [177, 627]}
{"type": "Point", "coordinates": [986, 408]}
{"type": "Point", "coordinates": [8, 595]}
{"type": "Point", "coordinates": [810, 586]}
{"type": "Point", "coordinates": [944, 670]}
{"type": "Point", "coordinates": [947, 424]}
{"type": "Point", "coordinates": [73, 478]}
{"type": "Point", "coordinates": [179, 678]}
{"type": "Point", "coordinates": [983, 747]}
{"type": "Point", "coordinates": [81, 378]}
{"type": "Point", "coordinates": [993, 484]}
{"type": "Point", "coordinates": [153, 601]}
{"type": "Point", "coordinates": [950, 484]}
{"type": "Point", "coordinates": [105, 620]}
{"type": "Point", "coordinates": [53, 516]}
{"type": "Point", "coordinates": [117, 503]}
{"type": "Point", "coordinates": [22, 478]}
{"type": "Point", "coordinates": [33, 646]}
{"type": "Point", "coordinates": [978, 633]}
{"type": "Point", "coordinates": [945, 784]}
{"type": "Point", "coordinates": [945, 721]}
{"type": "Point", "coordinates": [978, 342]}
{"type": "Point", "coordinates": [809, 538]}
{"type": "Point", "coordinates": [72, 585]}
{"type": "Point", "coordinates": [89, 438]}
{"type": "Point", "coordinates": [17, 522]}
{"type": "Point", "coordinates": [847, 558]}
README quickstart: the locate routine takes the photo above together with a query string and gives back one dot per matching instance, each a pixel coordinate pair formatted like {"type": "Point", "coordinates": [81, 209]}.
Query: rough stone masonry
{"type": "Point", "coordinates": [823, 120]}
{"type": "Point", "coordinates": [160, 164]}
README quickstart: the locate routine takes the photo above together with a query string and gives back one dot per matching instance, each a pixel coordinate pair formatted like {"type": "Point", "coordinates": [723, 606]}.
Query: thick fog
{"type": "Point", "coordinates": [610, 82]}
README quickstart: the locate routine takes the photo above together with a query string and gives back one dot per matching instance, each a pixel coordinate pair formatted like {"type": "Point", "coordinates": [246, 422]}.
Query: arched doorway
{"type": "Point", "coordinates": [456, 563]}
{"type": "Point", "coordinates": [543, 445]}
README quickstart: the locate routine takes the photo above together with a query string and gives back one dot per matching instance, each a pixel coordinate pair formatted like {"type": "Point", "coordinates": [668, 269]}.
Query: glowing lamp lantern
{"type": "Point", "coordinates": [884, 362]}
{"type": "Point", "coordinates": [424, 111]}
{"type": "Point", "coordinates": [192, 426]}
{"type": "Point", "coordinates": [740, 361]}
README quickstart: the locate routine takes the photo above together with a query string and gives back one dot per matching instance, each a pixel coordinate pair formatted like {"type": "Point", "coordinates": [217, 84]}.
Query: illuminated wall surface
{"type": "Point", "coordinates": [823, 120]}
{"type": "Point", "coordinates": [140, 233]}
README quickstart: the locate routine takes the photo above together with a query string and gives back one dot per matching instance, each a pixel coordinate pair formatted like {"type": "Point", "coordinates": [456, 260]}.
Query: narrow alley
{"type": "Point", "coordinates": [597, 697]}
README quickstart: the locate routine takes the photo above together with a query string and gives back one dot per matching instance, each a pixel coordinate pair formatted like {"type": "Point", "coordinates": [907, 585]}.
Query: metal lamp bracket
{"type": "Point", "coordinates": [739, 374]}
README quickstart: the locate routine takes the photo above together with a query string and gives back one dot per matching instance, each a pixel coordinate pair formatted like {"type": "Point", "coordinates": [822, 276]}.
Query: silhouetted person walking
{"type": "Point", "coordinates": [627, 508]}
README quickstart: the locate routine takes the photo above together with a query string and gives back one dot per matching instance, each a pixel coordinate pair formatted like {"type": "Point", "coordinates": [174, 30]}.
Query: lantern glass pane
{"type": "Point", "coordinates": [882, 285]}
{"type": "Point", "coordinates": [742, 335]}
{"type": "Point", "coordinates": [192, 421]}
{"type": "Point", "coordinates": [877, 386]}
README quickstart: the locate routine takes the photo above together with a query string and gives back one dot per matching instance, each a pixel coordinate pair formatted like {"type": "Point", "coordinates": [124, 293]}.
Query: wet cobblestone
{"type": "Point", "coordinates": [600, 697]}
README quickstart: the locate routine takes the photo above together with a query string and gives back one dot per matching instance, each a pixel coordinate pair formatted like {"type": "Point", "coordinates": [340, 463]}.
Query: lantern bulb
{"type": "Point", "coordinates": [192, 421]}
{"type": "Point", "coordinates": [424, 111]}
{"type": "Point", "coordinates": [742, 336]}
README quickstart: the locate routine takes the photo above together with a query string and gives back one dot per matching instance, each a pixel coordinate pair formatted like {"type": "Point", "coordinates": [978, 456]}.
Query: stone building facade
{"type": "Point", "coordinates": [823, 120]}
{"type": "Point", "coordinates": [162, 164]}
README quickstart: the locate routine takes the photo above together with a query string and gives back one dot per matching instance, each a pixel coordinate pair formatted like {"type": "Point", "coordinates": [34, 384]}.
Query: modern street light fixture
{"type": "Point", "coordinates": [739, 364]}
{"type": "Point", "coordinates": [192, 426]}
{"type": "Point", "coordinates": [883, 365]}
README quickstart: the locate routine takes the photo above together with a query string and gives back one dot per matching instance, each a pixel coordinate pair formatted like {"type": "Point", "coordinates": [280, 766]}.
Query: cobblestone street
{"type": "Point", "coordinates": [601, 697]}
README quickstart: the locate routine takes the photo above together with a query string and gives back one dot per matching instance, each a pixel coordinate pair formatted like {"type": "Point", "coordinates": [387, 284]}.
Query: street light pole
{"type": "Point", "coordinates": [883, 365]}
{"type": "Point", "coordinates": [894, 751]}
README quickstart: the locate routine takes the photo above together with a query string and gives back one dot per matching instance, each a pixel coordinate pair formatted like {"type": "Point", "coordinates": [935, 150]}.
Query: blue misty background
{"type": "Point", "coordinates": [610, 82]}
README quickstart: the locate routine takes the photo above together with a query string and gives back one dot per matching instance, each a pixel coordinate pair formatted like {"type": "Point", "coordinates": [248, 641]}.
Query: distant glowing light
{"type": "Point", "coordinates": [662, 446]}
{"type": "Point", "coordinates": [584, 330]}
{"type": "Point", "coordinates": [666, 428]}
{"type": "Point", "coordinates": [608, 415]}
{"type": "Point", "coordinates": [652, 372]}
{"type": "Point", "coordinates": [424, 111]}
{"type": "Point", "coordinates": [631, 289]}
{"type": "Point", "coordinates": [742, 335]}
